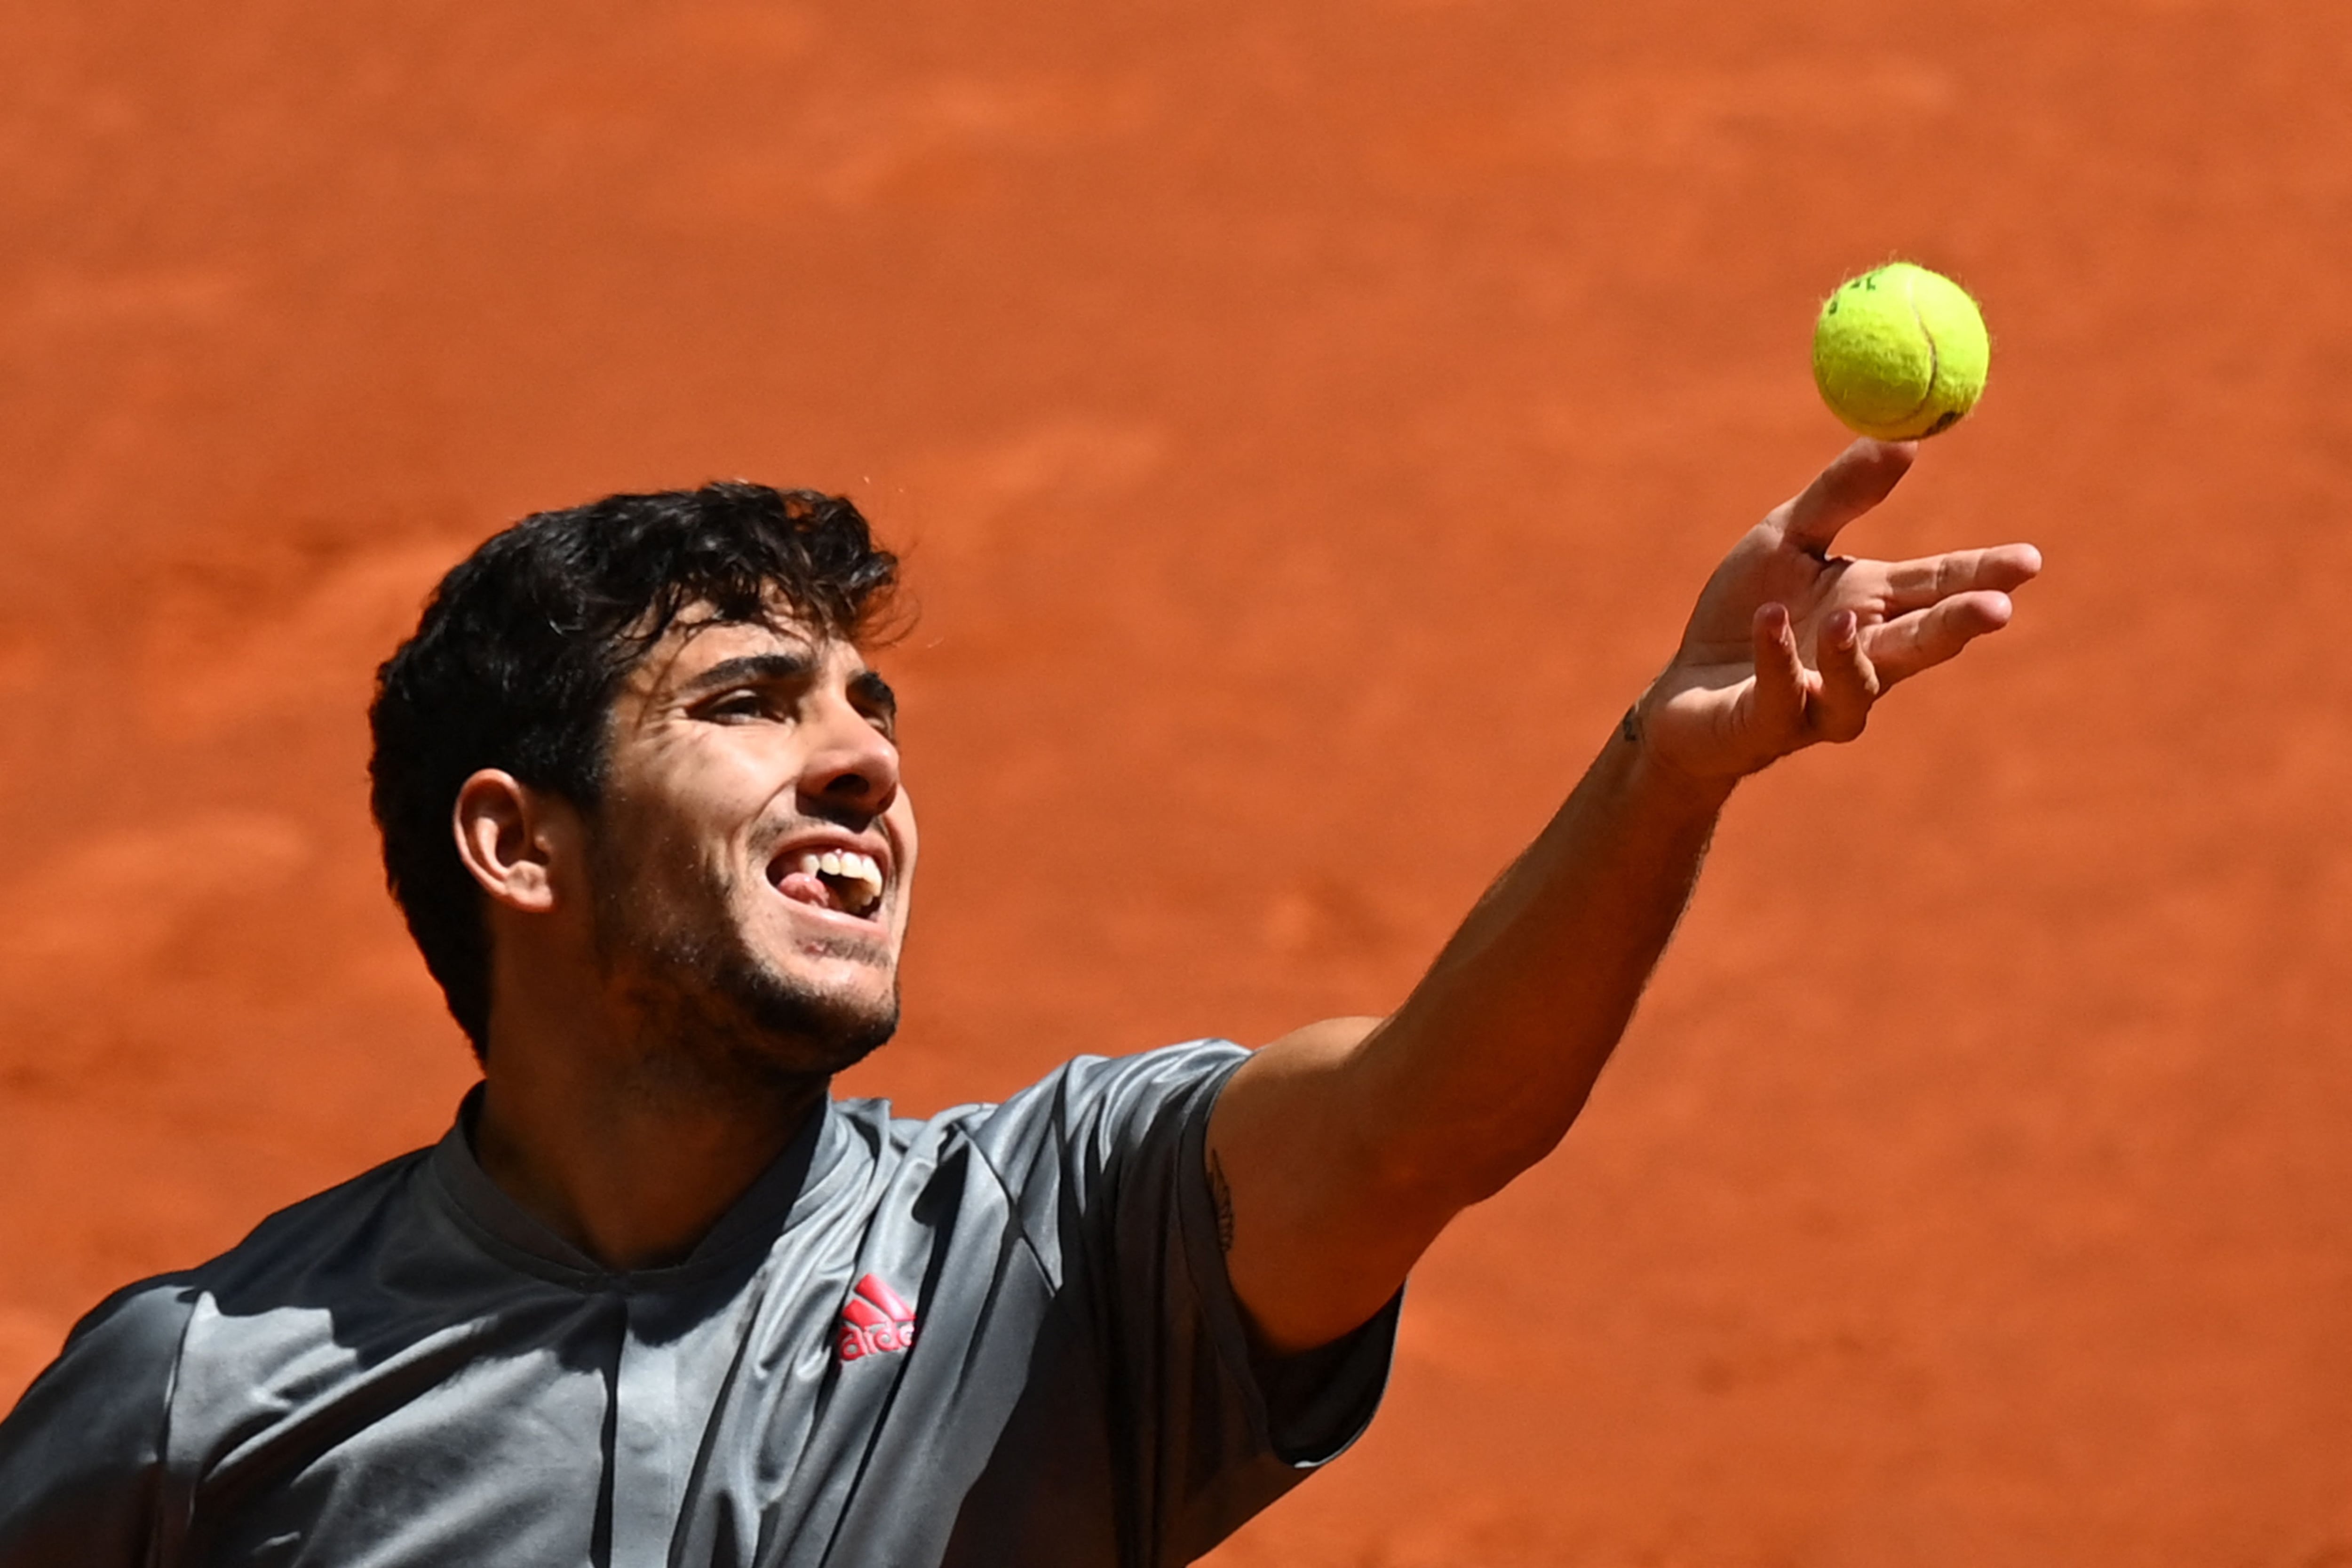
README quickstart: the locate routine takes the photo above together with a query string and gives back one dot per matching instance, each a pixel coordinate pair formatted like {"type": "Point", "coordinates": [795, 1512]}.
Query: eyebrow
{"type": "Point", "coordinates": [755, 666]}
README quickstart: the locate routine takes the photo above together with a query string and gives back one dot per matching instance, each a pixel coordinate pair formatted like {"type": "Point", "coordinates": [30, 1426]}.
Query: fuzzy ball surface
{"type": "Point", "coordinates": [1900, 353]}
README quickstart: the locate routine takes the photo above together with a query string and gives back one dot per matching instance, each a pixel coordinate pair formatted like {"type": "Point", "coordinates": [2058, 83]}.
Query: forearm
{"type": "Point", "coordinates": [1340, 1151]}
{"type": "Point", "coordinates": [1482, 1069]}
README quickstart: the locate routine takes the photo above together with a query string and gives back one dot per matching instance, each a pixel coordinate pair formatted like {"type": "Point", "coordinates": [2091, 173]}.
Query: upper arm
{"type": "Point", "coordinates": [1321, 1222]}
{"type": "Point", "coordinates": [1104, 1163]}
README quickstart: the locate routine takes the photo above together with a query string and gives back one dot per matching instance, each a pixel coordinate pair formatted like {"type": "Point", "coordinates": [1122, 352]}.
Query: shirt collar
{"type": "Point", "coordinates": [766, 1208]}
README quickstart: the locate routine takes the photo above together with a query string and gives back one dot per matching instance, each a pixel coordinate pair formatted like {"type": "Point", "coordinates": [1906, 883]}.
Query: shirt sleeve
{"type": "Point", "coordinates": [81, 1457]}
{"type": "Point", "coordinates": [1105, 1161]}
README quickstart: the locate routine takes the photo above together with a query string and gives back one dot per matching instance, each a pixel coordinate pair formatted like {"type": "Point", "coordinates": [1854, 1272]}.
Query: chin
{"type": "Point", "coordinates": [773, 1002]}
{"type": "Point", "coordinates": [812, 1027]}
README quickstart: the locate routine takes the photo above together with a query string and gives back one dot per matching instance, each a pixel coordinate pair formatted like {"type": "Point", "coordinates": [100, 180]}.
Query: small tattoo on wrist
{"type": "Point", "coordinates": [1220, 1198]}
{"type": "Point", "coordinates": [1631, 725]}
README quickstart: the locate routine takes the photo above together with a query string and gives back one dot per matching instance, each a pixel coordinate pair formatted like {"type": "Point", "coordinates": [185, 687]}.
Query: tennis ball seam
{"type": "Point", "coordinates": [1935, 354]}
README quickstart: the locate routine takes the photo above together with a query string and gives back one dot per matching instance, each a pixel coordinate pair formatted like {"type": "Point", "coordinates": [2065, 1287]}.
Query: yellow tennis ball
{"type": "Point", "coordinates": [1900, 353]}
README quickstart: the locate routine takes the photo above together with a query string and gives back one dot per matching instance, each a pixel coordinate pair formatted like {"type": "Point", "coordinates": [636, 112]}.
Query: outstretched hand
{"type": "Point", "coordinates": [1339, 1153]}
{"type": "Point", "coordinates": [1791, 644]}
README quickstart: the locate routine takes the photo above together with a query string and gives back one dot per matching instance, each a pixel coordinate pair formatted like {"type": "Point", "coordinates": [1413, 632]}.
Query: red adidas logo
{"type": "Point", "coordinates": [875, 1320]}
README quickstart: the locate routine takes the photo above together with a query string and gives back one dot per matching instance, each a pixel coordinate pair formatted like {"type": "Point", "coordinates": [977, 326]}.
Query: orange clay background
{"type": "Point", "coordinates": [1307, 425]}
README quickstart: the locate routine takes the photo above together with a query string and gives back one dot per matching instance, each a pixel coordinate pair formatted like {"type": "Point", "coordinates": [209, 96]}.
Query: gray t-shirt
{"type": "Point", "coordinates": [1002, 1336]}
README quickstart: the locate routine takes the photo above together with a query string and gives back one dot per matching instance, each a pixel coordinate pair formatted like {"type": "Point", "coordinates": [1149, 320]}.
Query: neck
{"type": "Point", "coordinates": [630, 1159]}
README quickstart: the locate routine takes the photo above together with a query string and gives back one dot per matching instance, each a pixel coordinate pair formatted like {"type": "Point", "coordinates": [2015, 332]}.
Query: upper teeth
{"type": "Point", "coordinates": [849, 865]}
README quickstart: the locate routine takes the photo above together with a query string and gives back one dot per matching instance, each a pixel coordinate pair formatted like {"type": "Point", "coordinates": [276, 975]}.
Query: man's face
{"type": "Point", "coordinates": [751, 859]}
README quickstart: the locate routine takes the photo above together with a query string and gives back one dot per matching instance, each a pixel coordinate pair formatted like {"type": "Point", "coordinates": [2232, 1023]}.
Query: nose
{"type": "Point", "coordinates": [850, 763]}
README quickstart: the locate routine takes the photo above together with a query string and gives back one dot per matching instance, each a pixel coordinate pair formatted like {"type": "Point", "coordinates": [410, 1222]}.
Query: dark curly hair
{"type": "Point", "coordinates": [523, 646]}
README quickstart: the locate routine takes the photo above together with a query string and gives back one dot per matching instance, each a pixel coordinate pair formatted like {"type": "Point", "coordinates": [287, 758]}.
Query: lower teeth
{"type": "Point", "coordinates": [849, 896]}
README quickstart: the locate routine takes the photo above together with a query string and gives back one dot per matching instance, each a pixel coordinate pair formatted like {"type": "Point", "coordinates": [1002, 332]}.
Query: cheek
{"type": "Point", "coordinates": [694, 807]}
{"type": "Point", "coordinates": [657, 858]}
{"type": "Point", "coordinates": [902, 818]}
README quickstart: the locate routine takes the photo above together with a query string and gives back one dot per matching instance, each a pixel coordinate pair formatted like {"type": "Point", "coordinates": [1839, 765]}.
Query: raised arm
{"type": "Point", "coordinates": [1339, 1152]}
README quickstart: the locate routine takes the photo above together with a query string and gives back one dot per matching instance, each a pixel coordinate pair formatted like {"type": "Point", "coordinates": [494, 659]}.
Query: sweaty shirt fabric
{"type": "Point", "coordinates": [1002, 1336]}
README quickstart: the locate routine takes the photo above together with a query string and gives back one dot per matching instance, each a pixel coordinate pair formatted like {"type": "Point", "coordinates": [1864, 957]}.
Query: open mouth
{"type": "Point", "coordinates": [846, 881]}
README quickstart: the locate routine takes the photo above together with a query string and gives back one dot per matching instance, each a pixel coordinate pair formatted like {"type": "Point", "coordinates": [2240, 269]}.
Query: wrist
{"type": "Point", "coordinates": [1659, 776]}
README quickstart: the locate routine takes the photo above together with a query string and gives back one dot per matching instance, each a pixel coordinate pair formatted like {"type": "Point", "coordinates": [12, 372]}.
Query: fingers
{"type": "Point", "coordinates": [1923, 639]}
{"type": "Point", "coordinates": [1916, 585]}
{"type": "Point", "coordinates": [1796, 707]}
{"type": "Point", "coordinates": [1780, 672]}
{"type": "Point", "coordinates": [1849, 680]}
{"type": "Point", "coordinates": [1857, 480]}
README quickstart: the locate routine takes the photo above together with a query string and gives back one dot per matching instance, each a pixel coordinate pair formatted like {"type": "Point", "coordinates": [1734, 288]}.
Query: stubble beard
{"type": "Point", "coordinates": [711, 1014]}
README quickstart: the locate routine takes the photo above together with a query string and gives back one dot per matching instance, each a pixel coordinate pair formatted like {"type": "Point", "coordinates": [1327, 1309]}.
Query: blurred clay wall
{"type": "Point", "coordinates": [1307, 425]}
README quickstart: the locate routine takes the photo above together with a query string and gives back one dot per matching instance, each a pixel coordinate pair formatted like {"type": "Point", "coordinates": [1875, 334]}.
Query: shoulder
{"type": "Point", "coordinates": [81, 1454]}
{"type": "Point", "coordinates": [1091, 1119]}
{"type": "Point", "coordinates": [120, 1359]}
{"type": "Point", "coordinates": [350, 1215]}
{"type": "Point", "coordinates": [132, 1339]}
{"type": "Point", "coordinates": [132, 1342]}
{"type": "Point", "coordinates": [1102, 1101]}
{"type": "Point", "coordinates": [1086, 1098]}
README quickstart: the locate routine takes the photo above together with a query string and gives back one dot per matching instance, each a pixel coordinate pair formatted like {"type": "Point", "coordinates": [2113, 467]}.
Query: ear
{"type": "Point", "coordinates": [511, 837]}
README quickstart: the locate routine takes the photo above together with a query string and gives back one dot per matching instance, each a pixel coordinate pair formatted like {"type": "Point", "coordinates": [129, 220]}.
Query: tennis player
{"type": "Point", "coordinates": [657, 1298]}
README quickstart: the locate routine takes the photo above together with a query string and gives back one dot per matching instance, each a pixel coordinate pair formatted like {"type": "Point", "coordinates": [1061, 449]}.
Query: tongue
{"type": "Point", "coordinates": [801, 887]}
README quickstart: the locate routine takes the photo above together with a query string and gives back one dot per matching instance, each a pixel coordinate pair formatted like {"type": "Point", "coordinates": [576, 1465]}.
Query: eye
{"type": "Point", "coordinates": [737, 707]}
